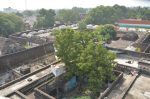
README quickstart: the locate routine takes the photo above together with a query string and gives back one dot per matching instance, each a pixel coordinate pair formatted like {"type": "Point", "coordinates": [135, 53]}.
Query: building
{"type": "Point", "coordinates": [133, 25]}
{"type": "Point", "coordinates": [9, 10]}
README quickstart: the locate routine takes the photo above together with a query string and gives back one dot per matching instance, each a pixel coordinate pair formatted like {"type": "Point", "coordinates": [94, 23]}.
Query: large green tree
{"type": "Point", "coordinates": [84, 58]}
{"type": "Point", "coordinates": [107, 31]}
{"type": "Point", "coordinates": [10, 23]}
{"type": "Point", "coordinates": [45, 19]}
{"type": "Point", "coordinates": [82, 25]}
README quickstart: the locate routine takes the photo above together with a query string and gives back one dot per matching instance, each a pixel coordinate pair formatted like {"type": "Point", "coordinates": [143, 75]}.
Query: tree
{"type": "Point", "coordinates": [70, 15]}
{"type": "Point", "coordinates": [82, 25]}
{"type": "Point", "coordinates": [43, 12]}
{"type": "Point", "coordinates": [146, 14]}
{"type": "Point", "coordinates": [66, 15]}
{"type": "Point", "coordinates": [109, 15]}
{"type": "Point", "coordinates": [107, 31]}
{"type": "Point", "coordinates": [100, 15]}
{"type": "Point", "coordinates": [45, 19]}
{"type": "Point", "coordinates": [28, 13]}
{"type": "Point", "coordinates": [19, 14]}
{"type": "Point", "coordinates": [84, 58]}
{"type": "Point", "coordinates": [10, 23]}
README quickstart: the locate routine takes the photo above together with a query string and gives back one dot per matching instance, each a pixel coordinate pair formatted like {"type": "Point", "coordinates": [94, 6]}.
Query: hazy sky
{"type": "Point", "coordinates": [57, 4]}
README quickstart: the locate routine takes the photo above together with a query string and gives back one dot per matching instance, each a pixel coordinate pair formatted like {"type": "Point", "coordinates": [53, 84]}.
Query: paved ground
{"type": "Point", "coordinates": [140, 89]}
{"type": "Point", "coordinates": [121, 87]}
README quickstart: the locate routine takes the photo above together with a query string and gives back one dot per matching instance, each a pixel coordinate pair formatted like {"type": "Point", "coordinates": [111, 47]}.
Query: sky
{"type": "Point", "coordinates": [59, 4]}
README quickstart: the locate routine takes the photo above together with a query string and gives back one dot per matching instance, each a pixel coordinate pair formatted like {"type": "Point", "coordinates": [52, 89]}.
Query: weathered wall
{"type": "Point", "coordinates": [109, 89]}
{"type": "Point", "coordinates": [128, 88]}
{"type": "Point", "coordinates": [25, 90]}
{"type": "Point", "coordinates": [15, 59]}
{"type": "Point", "coordinates": [23, 77]}
{"type": "Point", "coordinates": [132, 53]}
{"type": "Point", "coordinates": [41, 95]}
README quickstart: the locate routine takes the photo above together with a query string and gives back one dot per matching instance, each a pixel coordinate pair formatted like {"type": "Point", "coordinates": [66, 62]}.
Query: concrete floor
{"type": "Point", "coordinates": [121, 87]}
{"type": "Point", "coordinates": [140, 89]}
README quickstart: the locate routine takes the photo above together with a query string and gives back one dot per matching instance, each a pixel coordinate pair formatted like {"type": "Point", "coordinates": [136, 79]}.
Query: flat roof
{"type": "Point", "coordinates": [140, 89]}
{"type": "Point", "coordinates": [134, 21]}
{"type": "Point", "coordinates": [16, 86]}
{"type": "Point", "coordinates": [121, 61]}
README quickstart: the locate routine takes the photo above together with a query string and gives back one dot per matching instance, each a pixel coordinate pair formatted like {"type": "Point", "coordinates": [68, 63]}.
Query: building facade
{"type": "Point", "coordinates": [133, 25]}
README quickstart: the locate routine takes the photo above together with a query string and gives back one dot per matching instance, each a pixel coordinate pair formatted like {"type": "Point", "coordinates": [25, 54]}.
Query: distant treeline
{"type": "Point", "coordinates": [98, 15]}
{"type": "Point", "coordinates": [109, 15]}
{"type": "Point", "coordinates": [10, 23]}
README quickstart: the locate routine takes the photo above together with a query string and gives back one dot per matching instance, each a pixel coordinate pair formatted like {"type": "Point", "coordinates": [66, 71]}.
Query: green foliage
{"type": "Point", "coordinates": [84, 58]}
{"type": "Point", "coordinates": [138, 50]}
{"type": "Point", "coordinates": [69, 15]}
{"type": "Point", "coordinates": [19, 14]}
{"type": "Point", "coordinates": [109, 15]}
{"type": "Point", "coordinates": [107, 31]}
{"type": "Point", "coordinates": [45, 19]}
{"type": "Point", "coordinates": [82, 25]}
{"type": "Point", "coordinates": [10, 23]}
{"type": "Point", "coordinates": [28, 13]}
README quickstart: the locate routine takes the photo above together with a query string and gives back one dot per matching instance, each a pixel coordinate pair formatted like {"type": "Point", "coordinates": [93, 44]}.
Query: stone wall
{"type": "Point", "coordinates": [18, 58]}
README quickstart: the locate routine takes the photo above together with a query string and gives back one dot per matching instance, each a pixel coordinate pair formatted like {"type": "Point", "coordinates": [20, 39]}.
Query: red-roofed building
{"type": "Point", "coordinates": [133, 25]}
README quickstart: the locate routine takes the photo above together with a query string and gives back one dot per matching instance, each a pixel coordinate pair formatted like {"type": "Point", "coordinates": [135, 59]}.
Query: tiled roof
{"type": "Point", "coordinates": [134, 21]}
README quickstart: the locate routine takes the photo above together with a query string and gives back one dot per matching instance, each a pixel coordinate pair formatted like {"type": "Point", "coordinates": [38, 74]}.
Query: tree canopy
{"type": "Point", "coordinates": [10, 23]}
{"type": "Point", "coordinates": [82, 25]}
{"type": "Point", "coordinates": [106, 31]}
{"type": "Point", "coordinates": [109, 15]}
{"type": "Point", "coordinates": [45, 19]}
{"type": "Point", "coordinates": [70, 15]}
{"type": "Point", "coordinates": [84, 58]}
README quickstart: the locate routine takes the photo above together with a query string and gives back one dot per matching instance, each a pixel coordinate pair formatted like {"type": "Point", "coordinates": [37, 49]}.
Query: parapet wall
{"type": "Point", "coordinates": [109, 89]}
{"type": "Point", "coordinates": [132, 53]}
{"type": "Point", "coordinates": [18, 58]}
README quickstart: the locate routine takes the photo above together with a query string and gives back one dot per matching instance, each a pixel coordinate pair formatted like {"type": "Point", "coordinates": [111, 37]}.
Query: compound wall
{"type": "Point", "coordinates": [18, 58]}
